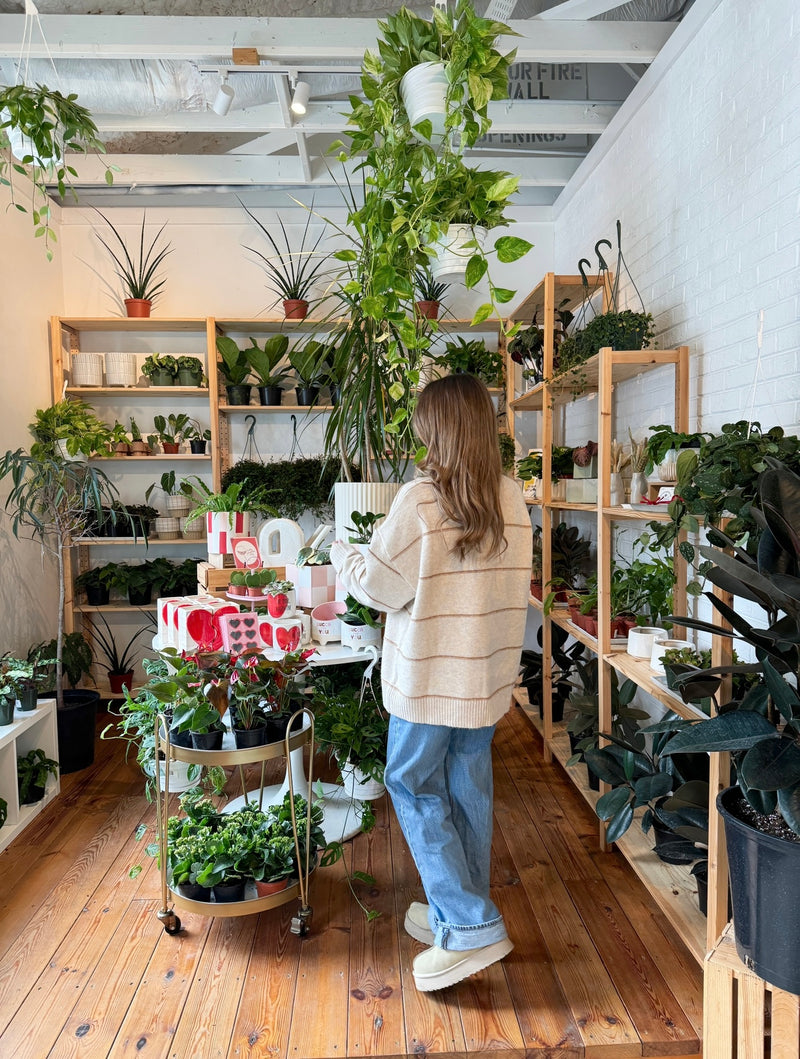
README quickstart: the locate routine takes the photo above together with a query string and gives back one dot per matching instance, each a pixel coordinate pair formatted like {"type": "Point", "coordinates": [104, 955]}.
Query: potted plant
{"type": "Point", "coordinates": [618, 330]}
{"type": "Point", "coordinates": [168, 431]}
{"type": "Point", "coordinates": [361, 624]}
{"type": "Point", "coordinates": [508, 452]}
{"type": "Point", "coordinates": [138, 445]}
{"type": "Point", "coordinates": [8, 699]}
{"type": "Point", "coordinates": [291, 272]}
{"type": "Point", "coordinates": [70, 428]}
{"type": "Point", "coordinates": [353, 728]}
{"type": "Point", "coordinates": [281, 598]}
{"type": "Point", "coordinates": [96, 583]}
{"type": "Point", "coordinates": [429, 293]}
{"type": "Point", "coordinates": [309, 363]}
{"type": "Point", "coordinates": [178, 494]}
{"type": "Point", "coordinates": [266, 365]}
{"type": "Point", "coordinates": [161, 369]}
{"type": "Point", "coordinates": [760, 730]}
{"type": "Point", "coordinates": [569, 557]}
{"type": "Point", "coordinates": [192, 711]}
{"type": "Point", "coordinates": [118, 663]}
{"type": "Point", "coordinates": [471, 356]}
{"type": "Point", "coordinates": [41, 124]}
{"type": "Point", "coordinates": [236, 585]}
{"type": "Point", "coordinates": [663, 446]}
{"type": "Point", "coordinates": [190, 371]}
{"type": "Point", "coordinates": [187, 848]}
{"type": "Point", "coordinates": [248, 701]}
{"type": "Point", "coordinates": [227, 513]}
{"type": "Point", "coordinates": [198, 437]}
{"type": "Point", "coordinates": [293, 486]}
{"type": "Point", "coordinates": [52, 500]}
{"type": "Point", "coordinates": [137, 269]}
{"type": "Point", "coordinates": [136, 580]}
{"type": "Point", "coordinates": [32, 772]}
{"type": "Point", "coordinates": [21, 675]}
{"type": "Point", "coordinates": [565, 661]}
{"type": "Point", "coordinates": [234, 367]}
{"type": "Point", "coordinates": [363, 526]}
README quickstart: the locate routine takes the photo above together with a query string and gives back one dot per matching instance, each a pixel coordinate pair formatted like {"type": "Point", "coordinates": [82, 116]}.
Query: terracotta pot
{"type": "Point", "coordinates": [139, 307]}
{"type": "Point", "coordinates": [295, 309]}
{"type": "Point", "coordinates": [265, 889]}
{"type": "Point", "coordinates": [428, 310]}
{"type": "Point", "coordinates": [170, 447]}
{"type": "Point", "coordinates": [536, 590]}
{"type": "Point", "coordinates": [117, 680]}
{"type": "Point", "coordinates": [140, 448]}
{"type": "Point", "coordinates": [237, 590]}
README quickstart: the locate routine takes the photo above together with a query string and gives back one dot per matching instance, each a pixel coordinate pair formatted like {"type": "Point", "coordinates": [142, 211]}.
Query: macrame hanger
{"type": "Point", "coordinates": [250, 447]}
{"type": "Point", "coordinates": [295, 450]}
{"type": "Point", "coordinates": [31, 16]}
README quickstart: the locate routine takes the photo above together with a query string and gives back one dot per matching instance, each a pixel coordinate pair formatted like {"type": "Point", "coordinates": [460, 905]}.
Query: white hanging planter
{"type": "Point", "coordinates": [86, 369]}
{"type": "Point", "coordinates": [359, 786]}
{"type": "Point", "coordinates": [452, 256]}
{"type": "Point", "coordinates": [364, 497]}
{"type": "Point", "coordinates": [178, 777]}
{"type": "Point", "coordinates": [423, 89]}
{"type": "Point", "coordinates": [121, 369]}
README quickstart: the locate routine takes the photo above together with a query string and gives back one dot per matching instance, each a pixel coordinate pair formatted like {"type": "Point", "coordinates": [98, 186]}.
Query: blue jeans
{"type": "Point", "coordinates": [440, 780]}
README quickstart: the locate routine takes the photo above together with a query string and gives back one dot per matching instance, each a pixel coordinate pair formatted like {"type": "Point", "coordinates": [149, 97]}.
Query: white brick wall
{"type": "Point", "coordinates": [705, 178]}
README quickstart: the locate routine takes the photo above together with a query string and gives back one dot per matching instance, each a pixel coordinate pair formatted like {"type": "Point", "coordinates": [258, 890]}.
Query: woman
{"type": "Point", "coordinates": [450, 566]}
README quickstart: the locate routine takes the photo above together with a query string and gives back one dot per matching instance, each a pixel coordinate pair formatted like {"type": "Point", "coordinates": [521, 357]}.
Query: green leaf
{"type": "Point", "coordinates": [476, 270]}
{"type": "Point", "coordinates": [611, 803]}
{"type": "Point", "coordinates": [789, 805]}
{"type": "Point", "coordinates": [650, 787]}
{"type": "Point", "coordinates": [772, 764]}
{"type": "Point", "coordinates": [503, 294]}
{"type": "Point", "coordinates": [620, 823]}
{"type": "Point", "coordinates": [482, 313]}
{"type": "Point", "coordinates": [737, 730]}
{"type": "Point", "coordinates": [501, 189]}
{"type": "Point", "coordinates": [511, 248]}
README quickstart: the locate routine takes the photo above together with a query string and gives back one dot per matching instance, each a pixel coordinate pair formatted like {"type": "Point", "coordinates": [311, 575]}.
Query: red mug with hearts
{"type": "Point", "coordinates": [285, 634]}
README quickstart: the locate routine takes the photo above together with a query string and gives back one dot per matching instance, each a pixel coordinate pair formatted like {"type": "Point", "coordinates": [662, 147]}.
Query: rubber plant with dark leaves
{"type": "Point", "coordinates": [762, 728]}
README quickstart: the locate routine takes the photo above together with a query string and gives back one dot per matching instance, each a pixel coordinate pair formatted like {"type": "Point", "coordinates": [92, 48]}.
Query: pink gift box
{"type": "Point", "coordinates": [313, 584]}
{"type": "Point", "coordinates": [167, 608]}
{"type": "Point", "coordinates": [199, 625]}
{"type": "Point", "coordinates": [240, 632]}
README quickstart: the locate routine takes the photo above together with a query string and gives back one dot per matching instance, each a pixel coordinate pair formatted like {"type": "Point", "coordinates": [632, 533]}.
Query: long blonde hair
{"type": "Point", "coordinates": [455, 420]}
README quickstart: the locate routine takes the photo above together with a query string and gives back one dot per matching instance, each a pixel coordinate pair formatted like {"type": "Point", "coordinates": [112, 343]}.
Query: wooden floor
{"type": "Point", "coordinates": [86, 969]}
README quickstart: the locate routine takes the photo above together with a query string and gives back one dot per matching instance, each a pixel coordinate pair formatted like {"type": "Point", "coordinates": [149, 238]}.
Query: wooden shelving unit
{"type": "Point", "coordinates": [671, 886]}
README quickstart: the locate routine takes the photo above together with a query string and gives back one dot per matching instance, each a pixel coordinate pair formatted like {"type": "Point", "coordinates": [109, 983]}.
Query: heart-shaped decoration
{"type": "Point", "coordinates": [288, 639]}
{"type": "Point", "coordinates": [249, 623]}
{"type": "Point", "coordinates": [266, 633]}
{"type": "Point", "coordinates": [236, 635]}
{"type": "Point", "coordinates": [277, 604]}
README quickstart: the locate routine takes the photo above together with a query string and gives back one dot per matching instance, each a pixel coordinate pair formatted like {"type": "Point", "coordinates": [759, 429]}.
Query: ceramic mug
{"type": "Point", "coordinates": [325, 624]}
{"type": "Point", "coordinates": [659, 647]}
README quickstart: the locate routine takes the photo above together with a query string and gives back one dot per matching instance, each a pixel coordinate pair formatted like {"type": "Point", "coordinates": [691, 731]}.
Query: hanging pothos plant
{"type": "Point", "coordinates": [38, 126]}
{"type": "Point", "coordinates": [411, 193]}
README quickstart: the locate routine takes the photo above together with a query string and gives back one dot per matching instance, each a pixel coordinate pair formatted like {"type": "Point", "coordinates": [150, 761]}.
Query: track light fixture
{"type": "Point", "coordinates": [302, 91]}
{"type": "Point", "coordinates": [224, 98]}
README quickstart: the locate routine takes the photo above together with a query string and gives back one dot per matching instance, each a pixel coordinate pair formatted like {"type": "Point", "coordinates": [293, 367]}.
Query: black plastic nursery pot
{"type": "Point", "coordinates": [198, 446]}
{"type": "Point", "coordinates": [238, 394]}
{"type": "Point", "coordinates": [76, 730]}
{"type": "Point", "coordinates": [306, 395]}
{"type": "Point", "coordinates": [763, 873]}
{"type": "Point", "coordinates": [244, 738]}
{"type": "Point", "coordinates": [270, 395]}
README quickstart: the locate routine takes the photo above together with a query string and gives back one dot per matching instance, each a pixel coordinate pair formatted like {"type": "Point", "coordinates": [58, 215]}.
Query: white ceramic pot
{"type": "Point", "coordinates": [423, 89]}
{"type": "Point", "coordinates": [87, 369]}
{"type": "Point", "coordinates": [121, 369]}
{"type": "Point", "coordinates": [659, 647]}
{"type": "Point", "coordinates": [642, 638]}
{"type": "Point", "coordinates": [358, 636]}
{"type": "Point", "coordinates": [358, 786]}
{"type": "Point", "coordinates": [667, 470]}
{"type": "Point", "coordinates": [178, 777]}
{"type": "Point", "coordinates": [452, 255]}
{"type": "Point", "coordinates": [221, 526]}
{"type": "Point", "coordinates": [194, 530]}
{"type": "Point", "coordinates": [178, 505]}
{"type": "Point", "coordinates": [364, 497]}
{"type": "Point", "coordinates": [282, 604]}
{"type": "Point", "coordinates": [167, 529]}
{"type": "Point", "coordinates": [325, 624]}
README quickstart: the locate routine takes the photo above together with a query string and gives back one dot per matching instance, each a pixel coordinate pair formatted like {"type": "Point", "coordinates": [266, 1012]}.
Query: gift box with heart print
{"type": "Point", "coordinates": [283, 634]}
{"type": "Point", "coordinates": [241, 632]}
{"type": "Point", "coordinates": [199, 627]}
{"type": "Point", "coordinates": [313, 584]}
{"type": "Point", "coordinates": [167, 609]}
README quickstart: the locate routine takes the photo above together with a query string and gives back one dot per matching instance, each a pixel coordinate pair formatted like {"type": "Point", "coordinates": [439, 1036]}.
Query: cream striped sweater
{"type": "Point", "coordinates": [454, 629]}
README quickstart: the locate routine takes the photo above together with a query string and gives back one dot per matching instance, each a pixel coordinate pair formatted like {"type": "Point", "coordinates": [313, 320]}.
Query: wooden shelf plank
{"type": "Point", "coordinates": [638, 670]}
{"type": "Point", "coordinates": [446, 325]}
{"type": "Point", "coordinates": [655, 514]}
{"type": "Point", "coordinates": [257, 409]}
{"type": "Point", "coordinates": [128, 542]}
{"type": "Point", "coordinates": [154, 456]}
{"type": "Point", "coordinates": [112, 608]}
{"type": "Point", "coordinates": [139, 391]}
{"type": "Point", "coordinates": [126, 323]}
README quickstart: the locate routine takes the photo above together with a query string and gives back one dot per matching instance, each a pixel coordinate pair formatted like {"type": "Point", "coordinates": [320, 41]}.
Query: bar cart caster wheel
{"type": "Point", "coordinates": [172, 924]}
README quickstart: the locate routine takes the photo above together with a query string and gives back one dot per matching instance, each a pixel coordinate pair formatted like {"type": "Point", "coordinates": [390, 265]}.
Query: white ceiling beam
{"type": "Point", "coordinates": [269, 144]}
{"type": "Point", "coordinates": [284, 170]}
{"type": "Point", "coordinates": [577, 9]}
{"type": "Point", "coordinates": [303, 40]}
{"type": "Point", "coordinates": [519, 116]}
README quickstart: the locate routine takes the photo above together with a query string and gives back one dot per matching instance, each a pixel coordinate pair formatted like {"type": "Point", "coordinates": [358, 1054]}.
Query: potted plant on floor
{"type": "Point", "coordinates": [266, 362]}
{"type": "Point", "coordinates": [137, 269]}
{"type": "Point", "coordinates": [32, 772]}
{"type": "Point", "coordinates": [52, 500]}
{"type": "Point", "coordinates": [161, 369]}
{"type": "Point", "coordinates": [761, 811]}
{"type": "Point", "coordinates": [293, 273]}
{"type": "Point", "coordinates": [353, 728]}
{"type": "Point", "coordinates": [234, 368]}
{"type": "Point", "coordinates": [41, 124]}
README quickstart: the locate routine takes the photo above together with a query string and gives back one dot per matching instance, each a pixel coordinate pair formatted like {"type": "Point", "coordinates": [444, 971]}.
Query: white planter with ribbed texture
{"type": "Point", "coordinates": [452, 255]}
{"type": "Point", "coordinates": [86, 369]}
{"type": "Point", "coordinates": [423, 89]}
{"type": "Point", "coordinates": [121, 369]}
{"type": "Point", "coordinates": [167, 529]}
{"type": "Point", "coordinates": [363, 497]}
{"type": "Point", "coordinates": [178, 505]}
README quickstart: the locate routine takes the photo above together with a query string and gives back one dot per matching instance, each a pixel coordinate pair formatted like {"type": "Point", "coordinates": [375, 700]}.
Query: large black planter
{"type": "Point", "coordinates": [763, 873]}
{"type": "Point", "coordinates": [238, 394]}
{"type": "Point", "coordinates": [76, 728]}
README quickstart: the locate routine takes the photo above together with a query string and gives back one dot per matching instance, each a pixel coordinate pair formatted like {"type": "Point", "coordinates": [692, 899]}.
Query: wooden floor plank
{"type": "Point", "coordinates": [375, 1014]}
{"type": "Point", "coordinates": [261, 1028]}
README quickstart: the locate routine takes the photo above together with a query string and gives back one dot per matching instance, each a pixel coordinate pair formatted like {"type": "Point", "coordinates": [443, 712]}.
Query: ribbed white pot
{"type": "Point", "coordinates": [452, 255]}
{"type": "Point", "coordinates": [364, 497]}
{"type": "Point", "coordinates": [178, 506]}
{"type": "Point", "coordinates": [360, 787]}
{"type": "Point", "coordinates": [121, 369]}
{"type": "Point", "coordinates": [87, 369]}
{"type": "Point", "coordinates": [167, 528]}
{"type": "Point", "coordinates": [423, 89]}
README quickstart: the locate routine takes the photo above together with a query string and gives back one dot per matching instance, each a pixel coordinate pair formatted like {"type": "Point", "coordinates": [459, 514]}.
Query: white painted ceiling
{"type": "Point", "coordinates": [149, 71]}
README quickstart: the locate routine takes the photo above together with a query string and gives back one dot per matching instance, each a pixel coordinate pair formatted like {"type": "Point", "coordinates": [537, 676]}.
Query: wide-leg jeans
{"type": "Point", "coordinates": [440, 781]}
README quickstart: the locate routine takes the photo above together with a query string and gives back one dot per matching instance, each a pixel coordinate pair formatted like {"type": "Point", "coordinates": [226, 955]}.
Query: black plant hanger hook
{"type": "Point", "coordinates": [250, 447]}
{"type": "Point", "coordinates": [295, 450]}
